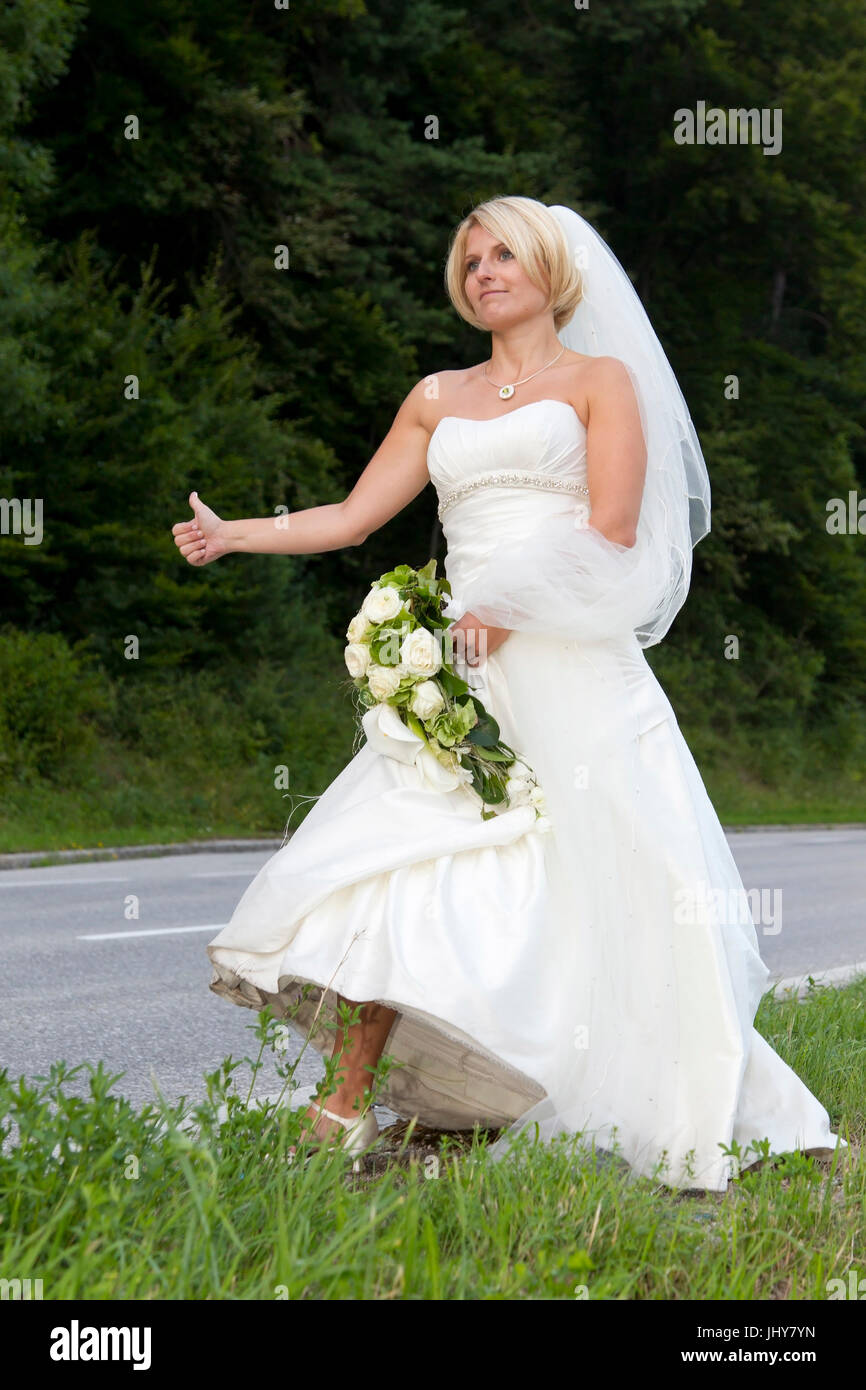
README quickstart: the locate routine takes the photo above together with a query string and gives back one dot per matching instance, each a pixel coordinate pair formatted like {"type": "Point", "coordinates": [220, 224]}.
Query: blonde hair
{"type": "Point", "coordinates": [538, 243]}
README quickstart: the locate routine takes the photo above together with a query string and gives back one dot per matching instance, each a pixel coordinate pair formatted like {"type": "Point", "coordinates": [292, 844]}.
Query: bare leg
{"type": "Point", "coordinates": [363, 1044]}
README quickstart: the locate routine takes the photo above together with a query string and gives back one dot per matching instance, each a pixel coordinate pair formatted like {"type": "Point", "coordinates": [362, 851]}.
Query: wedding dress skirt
{"type": "Point", "coordinates": [600, 977]}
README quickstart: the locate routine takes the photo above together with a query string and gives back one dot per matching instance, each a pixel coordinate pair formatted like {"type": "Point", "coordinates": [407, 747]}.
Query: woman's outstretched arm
{"type": "Point", "coordinates": [395, 475]}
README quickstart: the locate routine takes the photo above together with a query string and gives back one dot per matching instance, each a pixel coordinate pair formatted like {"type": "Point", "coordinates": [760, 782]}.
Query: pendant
{"type": "Point", "coordinates": [506, 392]}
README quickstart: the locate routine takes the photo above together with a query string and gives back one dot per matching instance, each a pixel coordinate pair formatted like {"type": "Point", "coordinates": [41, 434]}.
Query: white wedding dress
{"type": "Point", "coordinates": [600, 977]}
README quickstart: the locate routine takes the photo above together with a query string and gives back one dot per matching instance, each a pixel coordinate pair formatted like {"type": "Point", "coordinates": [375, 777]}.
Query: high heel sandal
{"type": "Point", "coordinates": [360, 1132]}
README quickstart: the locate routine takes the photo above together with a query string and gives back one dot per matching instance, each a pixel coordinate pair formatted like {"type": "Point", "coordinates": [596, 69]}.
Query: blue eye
{"type": "Point", "coordinates": [504, 252]}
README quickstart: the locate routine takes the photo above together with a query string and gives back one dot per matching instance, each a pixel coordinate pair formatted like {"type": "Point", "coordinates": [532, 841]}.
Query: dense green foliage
{"type": "Point", "coordinates": [153, 258]}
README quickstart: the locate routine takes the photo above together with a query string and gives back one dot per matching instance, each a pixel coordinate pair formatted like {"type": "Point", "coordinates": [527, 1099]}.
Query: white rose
{"type": "Point", "coordinates": [358, 627]}
{"type": "Point", "coordinates": [427, 700]}
{"type": "Point", "coordinates": [357, 656]}
{"type": "Point", "coordinates": [420, 653]}
{"type": "Point", "coordinates": [381, 604]}
{"type": "Point", "coordinates": [383, 680]}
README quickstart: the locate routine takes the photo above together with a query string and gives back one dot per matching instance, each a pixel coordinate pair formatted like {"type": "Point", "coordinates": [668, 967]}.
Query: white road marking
{"type": "Point", "coordinates": [155, 931]}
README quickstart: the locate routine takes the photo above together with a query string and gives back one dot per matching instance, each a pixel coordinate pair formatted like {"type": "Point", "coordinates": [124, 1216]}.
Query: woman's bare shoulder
{"type": "Point", "coordinates": [605, 369]}
{"type": "Point", "coordinates": [594, 377]}
{"type": "Point", "coordinates": [439, 394]}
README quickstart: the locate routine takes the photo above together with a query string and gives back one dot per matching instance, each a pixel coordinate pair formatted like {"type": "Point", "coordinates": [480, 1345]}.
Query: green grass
{"type": "Point", "coordinates": [126, 798]}
{"type": "Point", "coordinates": [101, 1203]}
{"type": "Point", "coordinates": [149, 806]}
{"type": "Point", "coordinates": [781, 776]}
{"type": "Point", "coordinates": [740, 799]}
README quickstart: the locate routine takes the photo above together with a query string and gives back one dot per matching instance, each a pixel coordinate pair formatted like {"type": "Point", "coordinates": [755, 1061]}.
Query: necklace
{"type": "Point", "coordinates": [506, 392]}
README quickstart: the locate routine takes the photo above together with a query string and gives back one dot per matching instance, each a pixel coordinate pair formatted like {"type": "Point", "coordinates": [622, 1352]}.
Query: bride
{"type": "Point", "coordinates": [599, 978]}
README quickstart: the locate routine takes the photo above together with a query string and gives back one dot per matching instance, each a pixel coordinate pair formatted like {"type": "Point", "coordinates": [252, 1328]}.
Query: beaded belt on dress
{"type": "Point", "coordinates": [505, 477]}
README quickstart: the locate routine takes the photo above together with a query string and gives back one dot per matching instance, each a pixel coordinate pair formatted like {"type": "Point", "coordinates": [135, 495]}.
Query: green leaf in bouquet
{"type": "Point", "coordinates": [434, 589]}
{"type": "Point", "coordinates": [447, 640]}
{"type": "Point", "coordinates": [451, 683]}
{"type": "Point", "coordinates": [494, 792]}
{"type": "Point", "coordinates": [397, 578]}
{"type": "Point", "coordinates": [414, 723]}
{"type": "Point", "coordinates": [486, 731]}
{"type": "Point", "coordinates": [490, 791]}
{"type": "Point", "coordinates": [402, 622]}
{"type": "Point", "coordinates": [477, 782]}
{"type": "Point", "coordinates": [386, 643]}
{"type": "Point", "coordinates": [493, 755]}
{"type": "Point", "coordinates": [382, 652]}
{"type": "Point", "coordinates": [468, 713]}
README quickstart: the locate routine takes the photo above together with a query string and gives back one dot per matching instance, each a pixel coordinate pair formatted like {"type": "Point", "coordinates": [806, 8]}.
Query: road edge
{"type": "Point", "coordinates": [50, 858]}
{"type": "Point", "coordinates": [798, 986]}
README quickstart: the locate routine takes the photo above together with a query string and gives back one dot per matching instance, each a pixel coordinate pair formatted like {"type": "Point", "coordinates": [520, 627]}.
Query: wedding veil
{"type": "Point", "coordinates": [570, 578]}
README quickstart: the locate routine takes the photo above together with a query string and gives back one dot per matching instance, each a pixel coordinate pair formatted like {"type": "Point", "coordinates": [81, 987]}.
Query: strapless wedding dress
{"type": "Point", "coordinates": [600, 977]}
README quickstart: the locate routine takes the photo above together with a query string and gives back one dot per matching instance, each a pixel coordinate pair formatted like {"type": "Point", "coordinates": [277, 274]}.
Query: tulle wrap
{"type": "Point", "coordinates": [567, 579]}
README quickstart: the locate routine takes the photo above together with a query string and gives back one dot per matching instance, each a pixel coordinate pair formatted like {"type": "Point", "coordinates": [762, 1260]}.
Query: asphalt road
{"type": "Point", "coordinates": [83, 981]}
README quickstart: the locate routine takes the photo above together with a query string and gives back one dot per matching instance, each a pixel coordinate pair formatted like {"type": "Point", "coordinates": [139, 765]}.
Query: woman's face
{"type": "Point", "coordinates": [497, 287]}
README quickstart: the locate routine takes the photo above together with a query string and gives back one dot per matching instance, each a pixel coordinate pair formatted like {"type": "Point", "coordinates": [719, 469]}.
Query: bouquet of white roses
{"type": "Point", "coordinates": [417, 709]}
